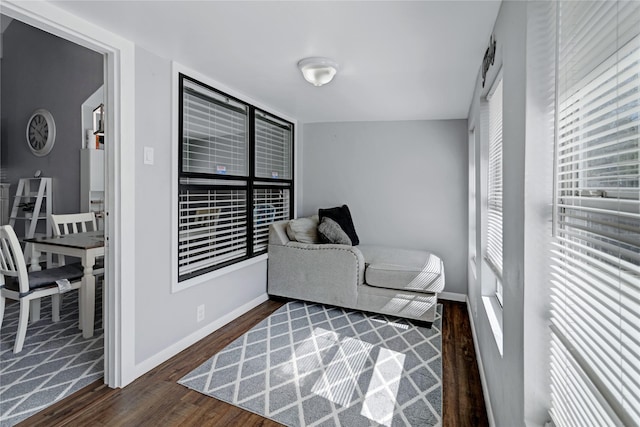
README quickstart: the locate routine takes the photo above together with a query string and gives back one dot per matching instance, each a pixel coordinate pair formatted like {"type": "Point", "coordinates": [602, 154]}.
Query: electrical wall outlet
{"type": "Point", "coordinates": [200, 313]}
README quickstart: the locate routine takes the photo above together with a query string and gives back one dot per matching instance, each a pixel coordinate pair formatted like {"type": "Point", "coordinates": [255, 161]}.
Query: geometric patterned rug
{"type": "Point", "coordinates": [55, 361]}
{"type": "Point", "coordinates": [313, 365]}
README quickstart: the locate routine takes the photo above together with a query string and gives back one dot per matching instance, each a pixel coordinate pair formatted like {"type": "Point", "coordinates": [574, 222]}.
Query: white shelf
{"type": "Point", "coordinates": [37, 190]}
{"type": "Point", "coordinates": [30, 189]}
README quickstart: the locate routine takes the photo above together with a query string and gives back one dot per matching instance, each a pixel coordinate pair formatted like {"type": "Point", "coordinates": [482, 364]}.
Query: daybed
{"type": "Point", "coordinates": [398, 282]}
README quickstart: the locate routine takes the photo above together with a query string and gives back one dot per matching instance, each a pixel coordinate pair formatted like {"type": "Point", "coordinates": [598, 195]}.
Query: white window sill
{"type": "Point", "coordinates": [494, 313]}
{"type": "Point", "coordinates": [180, 286]}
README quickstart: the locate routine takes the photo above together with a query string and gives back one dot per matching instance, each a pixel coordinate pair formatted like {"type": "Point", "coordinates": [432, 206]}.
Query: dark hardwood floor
{"type": "Point", "coordinates": [156, 399]}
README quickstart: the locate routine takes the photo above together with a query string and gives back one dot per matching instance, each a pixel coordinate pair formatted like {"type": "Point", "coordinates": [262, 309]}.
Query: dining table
{"type": "Point", "coordinates": [87, 246]}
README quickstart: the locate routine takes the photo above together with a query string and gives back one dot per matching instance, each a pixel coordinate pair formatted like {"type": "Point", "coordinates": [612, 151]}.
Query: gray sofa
{"type": "Point", "coordinates": [397, 282]}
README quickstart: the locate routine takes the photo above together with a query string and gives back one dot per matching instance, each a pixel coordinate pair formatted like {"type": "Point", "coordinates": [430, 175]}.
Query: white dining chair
{"type": "Point", "coordinates": [76, 223]}
{"type": "Point", "coordinates": [73, 223]}
{"type": "Point", "coordinates": [19, 285]}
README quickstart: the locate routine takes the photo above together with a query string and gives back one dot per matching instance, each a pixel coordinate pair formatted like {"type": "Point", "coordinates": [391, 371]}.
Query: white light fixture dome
{"type": "Point", "coordinates": [317, 70]}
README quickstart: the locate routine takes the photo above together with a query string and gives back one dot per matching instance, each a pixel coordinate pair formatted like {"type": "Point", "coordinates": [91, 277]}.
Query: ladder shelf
{"type": "Point", "coordinates": [32, 204]}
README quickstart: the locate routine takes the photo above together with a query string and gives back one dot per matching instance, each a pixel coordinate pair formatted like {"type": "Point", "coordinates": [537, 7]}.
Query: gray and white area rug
{"type": "Point", "coordinates": [55, 361]}
{"type": "Point", "coordinates": [312, 365]}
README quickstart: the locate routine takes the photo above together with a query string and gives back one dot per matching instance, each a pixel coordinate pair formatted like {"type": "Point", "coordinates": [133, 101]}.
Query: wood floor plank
{"type": "Point", "coordinates": [156, 399]}
{"type": "Point", "coordinates": [463, 401]}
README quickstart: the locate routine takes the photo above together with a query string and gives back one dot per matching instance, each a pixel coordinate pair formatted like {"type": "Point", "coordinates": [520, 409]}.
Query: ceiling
{"type": "Point", "coordinates": [398, 60]}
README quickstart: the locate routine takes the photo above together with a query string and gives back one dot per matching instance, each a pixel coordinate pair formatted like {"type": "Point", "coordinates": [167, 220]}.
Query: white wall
{"type": "Point", "coordinates": [503, 374]}
{"type": "Point", "coordinates": [404, 182]}
{"type": "Point", "coordinates": [517, 380]}
{"type": "Point", "coordinates": [164, 318]}
{"type": "Point", "coordinates": [538, 184]}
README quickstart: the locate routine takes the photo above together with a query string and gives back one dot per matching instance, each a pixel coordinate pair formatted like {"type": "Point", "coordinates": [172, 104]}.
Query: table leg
{"type": "Point", "coordinates": [34, 309]}
{"type": "Point", "coordinates": [88, 296]}
{"type": "Point", "coordinates": [35, 257]}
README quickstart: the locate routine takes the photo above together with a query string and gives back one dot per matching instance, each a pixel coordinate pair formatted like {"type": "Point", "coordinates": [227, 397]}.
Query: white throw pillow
{"type": "Point", "coordinates": [304, 230]}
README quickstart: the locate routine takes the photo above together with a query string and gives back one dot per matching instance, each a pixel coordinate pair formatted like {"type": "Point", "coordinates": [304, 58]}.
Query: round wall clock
{"type": "Point", "coordinates": [41, 132]}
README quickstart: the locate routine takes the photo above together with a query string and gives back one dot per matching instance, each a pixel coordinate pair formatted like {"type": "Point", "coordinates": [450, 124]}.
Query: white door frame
{"type": "Point", "coordinates": [119, 316]}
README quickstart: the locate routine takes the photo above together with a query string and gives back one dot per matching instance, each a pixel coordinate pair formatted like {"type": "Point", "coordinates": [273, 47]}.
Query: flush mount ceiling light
{"type": "Point", "coordinates": [317, 70]}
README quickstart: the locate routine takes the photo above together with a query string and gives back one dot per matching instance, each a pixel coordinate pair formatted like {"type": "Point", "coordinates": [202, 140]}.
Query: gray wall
{"type": "Point", "coordinates": [517, 380]}
{"type": "Point", "coordinates": [164, 318]}
{"type": "Point", "coordinates": [40, 70]}
{"type": "Point", "coordinates": [404, 182]}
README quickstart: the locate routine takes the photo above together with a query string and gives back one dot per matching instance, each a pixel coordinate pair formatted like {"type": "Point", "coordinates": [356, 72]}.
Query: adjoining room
{"type": "Point", "coordinates": [52, 93]}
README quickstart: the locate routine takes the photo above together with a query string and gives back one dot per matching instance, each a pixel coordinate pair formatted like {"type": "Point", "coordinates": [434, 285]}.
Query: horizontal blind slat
{"type": "Point", "coordinates": [495, 183]}
{"type": "Point", "coordinates": [595, 260]}
{"type": "Point", "coordinates": [273, 153]}
{"type": "Point", "coordinates": [270, 205]}
{"type": "Point", "coordinates": [215, 134]}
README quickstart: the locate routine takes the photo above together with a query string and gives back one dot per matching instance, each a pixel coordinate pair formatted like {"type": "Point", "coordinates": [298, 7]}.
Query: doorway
{"type": "Point", "coordinates": [119, 72]}
{"type": "Point", "coordinates": [46, 73]}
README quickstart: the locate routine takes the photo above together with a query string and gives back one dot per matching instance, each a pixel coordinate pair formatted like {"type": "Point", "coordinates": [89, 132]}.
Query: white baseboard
{"type": "Point", "coordinates": [166, 354]}
{"type": "Point", "coordinates": [452, 296]}
{"type": "Point", "coordinates": [483, 379]}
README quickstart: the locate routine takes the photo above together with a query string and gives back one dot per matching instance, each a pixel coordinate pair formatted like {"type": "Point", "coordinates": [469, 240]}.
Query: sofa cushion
{"type": "Point", "coordinates": [304, 230]}
{"type": "Point", "coordinates": [342, 216]}
{"type": "Point", "coordinates": [403, 269]}
{"type": "Point", "coordinates": [330, 232]}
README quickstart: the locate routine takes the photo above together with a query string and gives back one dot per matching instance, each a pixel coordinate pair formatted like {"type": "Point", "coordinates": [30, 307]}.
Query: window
{"type": "Point", "coordinates": [494, 199]}
{"type": "Point", "coordinates": [595, 290]}
{"type": "Point", "coordinates": [235, 178]}
{"type": "Point", "coordinates": [472, 199]}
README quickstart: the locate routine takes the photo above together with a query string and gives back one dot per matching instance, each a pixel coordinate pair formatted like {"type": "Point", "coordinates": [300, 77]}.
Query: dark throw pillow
{"type": "Point", "coordinates": [330, 232]}
{"type": "Point", "coordinates": [342, 216]}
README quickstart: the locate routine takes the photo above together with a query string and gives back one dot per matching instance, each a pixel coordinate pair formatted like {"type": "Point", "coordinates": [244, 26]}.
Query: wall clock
{"type": "Point", "coordinates": [41, 132]}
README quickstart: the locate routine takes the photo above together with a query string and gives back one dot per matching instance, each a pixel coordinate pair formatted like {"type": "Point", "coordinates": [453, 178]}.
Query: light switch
{"type": "Point", "coordinates": [148, 155]}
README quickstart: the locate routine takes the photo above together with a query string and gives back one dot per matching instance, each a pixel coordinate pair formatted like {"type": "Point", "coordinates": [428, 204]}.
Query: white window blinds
{"type": "Point", "coordinates": [595, 300]}
{"type": "Point", "coordinates": [273, 147]}
{"type": "Point", "coordinates": [235, 178]}
{"type": "Point", "coordinates": [212, 228]}
{"type": "Point", "coordinates": [270, 205]}
{"type": "Point", "coordinates": [214, 132]}
{"type": "Point", "coordinates": [494, 209]}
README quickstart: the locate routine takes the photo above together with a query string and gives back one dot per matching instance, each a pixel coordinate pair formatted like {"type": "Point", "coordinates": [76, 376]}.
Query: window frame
{"type": "Point", "coordinates": [247, 183]}
{"type": "Point", "coordinates": [498, 288]}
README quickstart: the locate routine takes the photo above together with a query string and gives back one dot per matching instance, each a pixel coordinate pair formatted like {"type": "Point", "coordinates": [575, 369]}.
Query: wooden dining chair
{"type": "Point", "coordinates": [19, 285]}
{"type": "Point", "coordinates": [76, 223]}
{"type": "Point", "coordinates": [73, 223]}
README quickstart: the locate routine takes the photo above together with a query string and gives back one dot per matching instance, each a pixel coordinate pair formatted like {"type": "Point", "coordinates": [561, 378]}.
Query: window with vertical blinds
{"type": "Point", "coordinates": [494, 196]}
{"type": "Point", "coordinates": [235, 178]}
{"type": "Point", "coordinates": [595, 292]}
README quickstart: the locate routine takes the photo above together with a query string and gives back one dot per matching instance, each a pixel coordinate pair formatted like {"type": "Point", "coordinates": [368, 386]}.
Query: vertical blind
{"type": "Point", "coordinates": [494, 210]}
{"type": "Point", "coordinates": [595, 292]}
